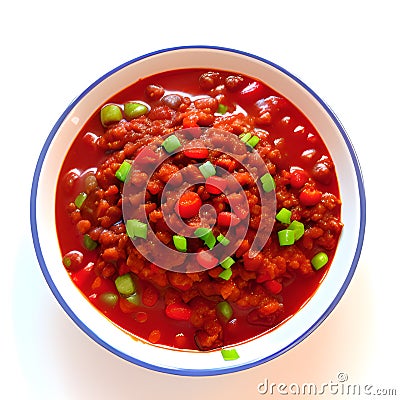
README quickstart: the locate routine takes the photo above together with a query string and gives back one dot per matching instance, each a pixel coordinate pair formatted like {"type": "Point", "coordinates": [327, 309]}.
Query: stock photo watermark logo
{"type": "Point", "coordinates": [340, 386]}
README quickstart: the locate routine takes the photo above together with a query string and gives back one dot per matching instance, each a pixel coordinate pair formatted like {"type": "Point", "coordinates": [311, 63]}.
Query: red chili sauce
{"type": "Point", "coordinates": [209, 308]}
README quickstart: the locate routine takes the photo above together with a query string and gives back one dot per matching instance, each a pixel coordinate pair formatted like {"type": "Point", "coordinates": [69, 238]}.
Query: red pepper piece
{"type": "Point", "coordinates": [206, 260]}
{"type": "Point", "coordinates": [215, 184]}
{"type": "Point", "coordinates": [226, 218]}
{"type": "Point", "coordinates": [188, 205]}
{"type": "Point", "coordinates": [198, 153]}
{"type": "Point", "coordinates": [178, 311]}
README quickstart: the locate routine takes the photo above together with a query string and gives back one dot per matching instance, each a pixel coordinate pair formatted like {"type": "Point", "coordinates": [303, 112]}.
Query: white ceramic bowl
{"type": "Point", "coordinates": [252, 352]}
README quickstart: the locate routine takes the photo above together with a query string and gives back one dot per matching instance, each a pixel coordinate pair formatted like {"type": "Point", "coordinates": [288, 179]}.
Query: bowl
{"type": "Point", "coordinates": [251, 352]}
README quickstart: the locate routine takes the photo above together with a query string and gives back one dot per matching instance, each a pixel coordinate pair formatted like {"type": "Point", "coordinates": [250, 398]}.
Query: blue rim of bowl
{"type": "Point", "coordinates": [194, 372]}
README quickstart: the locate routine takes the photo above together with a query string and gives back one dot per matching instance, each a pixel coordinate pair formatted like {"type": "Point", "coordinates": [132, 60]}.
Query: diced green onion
{"type": "Point", "coordinates": [134, 110]}
{"type": "Point", "coordinates": [298, 228]}
{"type": "Point", "coordinates": [171, 143]}
{"type": "Point", "coordinates": [224, 310]}
{"type": "Point", "coordinates": [227, 263]}
{"type": "Point", "coordinates": [229, 354]}
{"type": "Point", "coordinates": [319, 260]}
{"type": "Point", "coordinates": [180, 243]}
{"type": "Point", "coordinates": [284, 215]}
{"type": "Point", "coordinates": [226, 274]}
{"type": "Point", "coordinates": [88, 242]}
{"type": "Point", "coordinates": [223, 240]}
{"type": "Point", "coordinates": [136, 228]}
{"type": "Point", "coordinates": [268, 182]}
{"type": "Point", "coordinates": [245, 137]}
{"type": "Point", "coordinates": [134, 299]}
{"type": "Point", "coordinates": [125, 284]}
{"type": "Point", "coordinates": [202, 232]}
{"type": "Point", "coordinates": [109, 299]}
{"type": "Point", "coordinates": [122, 172]}
{"type": "Point", "coordinates": [207, 169]}
{"type": "Point", "coordinates": [286, 237]}
{"type": "Point", "coordinates": [210, 240]}
{"type": "Point", "coordinates": [80, 199]}
{"type": "Point", "coordinates": [207, 236]}
{"type": "Point", "coordinates": [222, 108]}
{"type": "Point", "coordinates": [67, 262]}
{"type": "Point", "coordinates": [253, 141]}
{"type": "Point", "coordinates": [109, 114]}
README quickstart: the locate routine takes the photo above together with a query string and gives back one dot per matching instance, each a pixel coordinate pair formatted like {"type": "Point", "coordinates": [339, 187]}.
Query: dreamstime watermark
{"type": "Point", "coordinates": [340, 386]}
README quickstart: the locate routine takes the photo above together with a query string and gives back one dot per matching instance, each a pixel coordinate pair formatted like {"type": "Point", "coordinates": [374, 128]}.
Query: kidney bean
{"type": "Point", "coordinates": [207, 103]}
{"type": "Point", "coordinates": [154, 92]}
{"type": "Point", "coordinates": [234, 82]}
{"type": "Point", "coordinates": [172, 100]}
{"type": "Point", "coordinates": [322, 173]}
{"type": "Point", "coordinates": [210, 80]}
{"type": "Point", "coordinates": [310, 197]}
{"type": "Point", "coordinates": [150, 296]}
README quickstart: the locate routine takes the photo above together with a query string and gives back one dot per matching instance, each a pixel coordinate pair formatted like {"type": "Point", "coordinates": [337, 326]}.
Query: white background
{"type": "Point", "coordinates": [347, 51]}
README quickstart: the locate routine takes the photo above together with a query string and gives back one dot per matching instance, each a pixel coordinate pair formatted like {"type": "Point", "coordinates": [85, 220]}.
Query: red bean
{"type": "Point", "coordinates": [298, 177]}
{"type": "Point", "coordinates": [172, 100]}
{"type": "Point", "coordinates": [310, 197]}
{"type": "Point", "coordinates": [154, 92]}
{"type": "Point", "coordinates": [233, 82]}
{"type": "Point", "coordinates": [209, 80]}
{"type": "Point", "coordinates": [150, 296]}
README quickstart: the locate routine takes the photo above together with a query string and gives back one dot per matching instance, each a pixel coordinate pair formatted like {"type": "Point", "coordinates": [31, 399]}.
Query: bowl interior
{"type": "Point", "coordinates": [256, 350]}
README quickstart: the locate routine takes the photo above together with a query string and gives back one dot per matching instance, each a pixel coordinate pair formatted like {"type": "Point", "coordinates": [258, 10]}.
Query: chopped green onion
{"type": "Point", "coordinates": [134, 110]}
{"type": "Point", "coordinates": [210, 240]}
{"type": "Point", "coordinates": [88, 242]}
{"type": "Point", "coordinates": [125, 284]}
{"type": "Point", "coordinates": [268, 182]}
{"type": "Point", "coordinates": [202, 232]}
{"type": "Point", "coordinates": [284, 216]}
{"type": "Point", "coordinates": [134, 299]}
{"type": "Point", "coordinates": [224, 310]}
{"type": "Point", "coordinates": [286, 237]}
{"type": "Point", "coordinates": [180, 243]}
{"type": "Point", "coordinates": [207, 169]}
{"type": "Point", "coordinates": [109, 299]}
{"type": "Point", "coordinates": [67, 262]}
{"type": "Point", "coordinates": [227, 263]}
{"type": "Point", "coordinates": [226, 274]}
{"type": "Point", "coordinates": [136, 228]}
{"type": "Point", "coordinates": [253, 141]}
{"type": "Point", "coordinates": [171, 143]}
{"type": "Point", "coordinates": [223, 240]}
{"type": "Point", "coordinates": [245, 137]}
{"type": "Point", "coordinates": [122, 172]}
{"type": "Point", "coordinates": [207, 236]}
{"type": "Point", "coordinates": [298, 228]}
{"type": "Point", "coordinates": [229, 354]}
{"type": "Point", "coordinates": [109, 114]}
{"type": "Point", "coordinates": [319, 260]}
{"type": "Point", "coordinates": [222, 108]}
{"type": "Point", "coordinates": [80, 199]}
